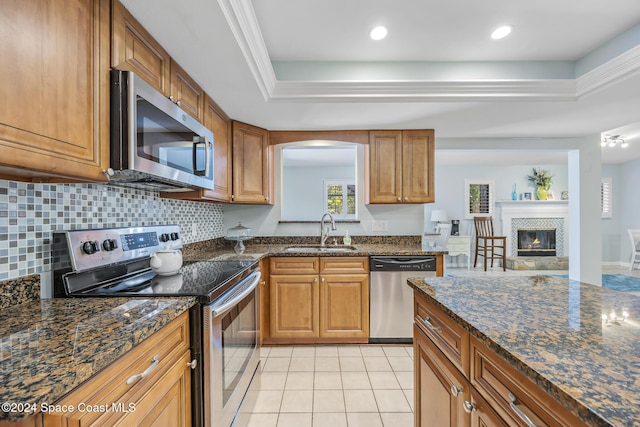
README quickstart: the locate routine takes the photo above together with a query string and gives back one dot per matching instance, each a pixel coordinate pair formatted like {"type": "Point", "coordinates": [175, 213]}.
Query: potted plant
{"type": "Point", "coordinates": [542, 179]}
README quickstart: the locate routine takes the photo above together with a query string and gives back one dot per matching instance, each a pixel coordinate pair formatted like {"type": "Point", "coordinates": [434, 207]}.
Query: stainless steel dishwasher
{"type": "Point", "coordinates": [391, 299]}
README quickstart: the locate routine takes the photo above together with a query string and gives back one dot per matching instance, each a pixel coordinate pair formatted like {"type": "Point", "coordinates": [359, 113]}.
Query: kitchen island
{"type": "Point", "coordinates": [577, 345]}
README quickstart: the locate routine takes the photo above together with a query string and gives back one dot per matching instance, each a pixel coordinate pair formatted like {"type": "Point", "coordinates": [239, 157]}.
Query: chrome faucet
{"type": "Point", "coordinates": [324, 233]}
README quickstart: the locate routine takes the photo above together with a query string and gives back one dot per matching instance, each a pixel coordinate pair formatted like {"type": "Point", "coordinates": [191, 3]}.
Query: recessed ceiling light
{"type": "Point", "coordinates": [501, 32]}
{"type": "Point", "coordinates": [378, 33]}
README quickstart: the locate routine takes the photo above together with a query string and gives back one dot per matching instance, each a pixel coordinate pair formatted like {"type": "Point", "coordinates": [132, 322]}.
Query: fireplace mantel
{"type": "Point", "coordinates": [508, 210]}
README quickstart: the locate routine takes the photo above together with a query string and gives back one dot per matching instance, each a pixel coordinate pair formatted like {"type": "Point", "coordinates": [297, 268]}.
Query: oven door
{"type": "Point", "coordinates": [231, 350]}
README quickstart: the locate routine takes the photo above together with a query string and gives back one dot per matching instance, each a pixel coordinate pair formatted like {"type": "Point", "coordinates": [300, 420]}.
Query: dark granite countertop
{"type": "Point", "coordinates": [49, 347]}
{"type": "Point", "coordinates": [258, 251]}
{"type": "Point", "coordinates": [552, 330]}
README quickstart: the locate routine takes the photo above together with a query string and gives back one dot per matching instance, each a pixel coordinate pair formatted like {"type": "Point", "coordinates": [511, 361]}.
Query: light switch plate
{"type": "Point", "coordinates": [379, 225]}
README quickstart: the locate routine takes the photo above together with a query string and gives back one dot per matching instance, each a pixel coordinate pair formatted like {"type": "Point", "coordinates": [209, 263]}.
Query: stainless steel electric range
{"type": "Point", "coordinates": [224, 325]}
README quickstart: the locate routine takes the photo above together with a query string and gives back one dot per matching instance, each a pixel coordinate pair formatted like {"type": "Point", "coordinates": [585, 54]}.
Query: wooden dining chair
{"type": "Point", "coordinates": [487, 243]}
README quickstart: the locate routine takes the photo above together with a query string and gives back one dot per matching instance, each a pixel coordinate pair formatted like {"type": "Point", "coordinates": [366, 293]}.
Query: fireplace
{"type": "Point", "coordinates": [536, 242]}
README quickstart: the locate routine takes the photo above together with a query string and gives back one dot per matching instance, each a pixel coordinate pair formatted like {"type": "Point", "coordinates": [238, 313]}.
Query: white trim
{"type": "Point", "coordinates": [621, 67]}
{"type": "Point", "coordinates": [242, 20]}
{"type": "Point", "coordinates": [491, 183]}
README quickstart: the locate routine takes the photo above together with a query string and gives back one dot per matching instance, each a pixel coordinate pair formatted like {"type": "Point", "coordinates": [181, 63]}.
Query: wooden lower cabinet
{"type": "Point", "coordinates": [116, 397]}
{"type": "Point", "coordinates": [460, 381]}
{"type": "Point", "coordinates": [318, 300]}
{"type": "Point", "coordinates": [295, 306]}
{"type": "Point", "coordinates": [436, 377]}
{"type": "Point", "coordinates": [344, 306]}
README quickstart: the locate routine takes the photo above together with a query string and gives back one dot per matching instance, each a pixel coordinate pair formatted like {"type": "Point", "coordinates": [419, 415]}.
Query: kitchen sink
{"type": "Point", "coordinates": [320, 249]}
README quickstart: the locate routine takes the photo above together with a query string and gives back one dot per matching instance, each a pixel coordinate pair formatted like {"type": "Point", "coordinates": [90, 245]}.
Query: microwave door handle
{"type": "Point", "coordinates": [197, 140]}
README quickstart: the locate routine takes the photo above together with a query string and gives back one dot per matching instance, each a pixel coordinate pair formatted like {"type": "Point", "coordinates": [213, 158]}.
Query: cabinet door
{"type": "Point", "coordinates": [481, 413]}
{"type": "Point", "coordinates": [252, 168]}
{"type": "Point", "coordinates": [54, 99]}
{"type": "Point", "coordinates": [168, 402]}
{"type": "Point", "coordinates": [133, 49]}
{"type": "Point", "coordinates": [344, 306]}
{"type": "Point", "coordinates": [418, 150]}
{"type": "Point", "coordinates": [437, 402]}
{"type": "Point", "coordinates": [294, 304]}
{"type": "Point", "coordinates": [186, 92]}
{"type": "Point", "coordinates": [385, 179]}
{"type": "Point", "coordinates": [219, 123]}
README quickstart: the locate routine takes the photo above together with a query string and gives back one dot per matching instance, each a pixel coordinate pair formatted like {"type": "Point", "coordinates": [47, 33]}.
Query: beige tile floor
{"type": "Point", "coordinates": [345, 386]}
{"type": "Point", "coordinates": [331, 386]}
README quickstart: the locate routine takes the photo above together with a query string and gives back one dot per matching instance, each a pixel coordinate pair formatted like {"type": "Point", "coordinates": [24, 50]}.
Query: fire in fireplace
{"type": "Point", "coordinates": [536, 242]}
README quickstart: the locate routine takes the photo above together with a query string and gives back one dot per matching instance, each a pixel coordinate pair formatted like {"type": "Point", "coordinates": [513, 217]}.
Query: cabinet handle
{"type": "Point", "coordinates": [134, 378]}
{"type": "Point", "coordinates": [428, 324]}
{"type": "Point", "coordinates": [178, 103]}
{"type": "Point", "coordinates": [406, 198]}
{"type": "Point", "coordinates": [192, 364]}
{"type": "Point", "coordinates": [322, 279]}
{"type": "Point", "coordinates": [315, 279]}
{"type": "Point", "coordinates": [518, 411]}
{"type": "Point", "coordinates": [263, 282]}
{"type": "Point", "coordinates": [469, 407]}
{"type": "Point", "coordinates": [399, 199]}
{"type": "Point", "coordinates": [455, 391]}
{"type": "Point", "coordinates": [172, 99]}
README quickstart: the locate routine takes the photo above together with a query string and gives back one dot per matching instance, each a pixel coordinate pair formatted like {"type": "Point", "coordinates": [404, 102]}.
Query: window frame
{"type": "Point", "coordinates": [606, 197]}
{"type": "Point", "coordinates": [467, 197]}
{"type": "Point", "coordinates": [345, 202]}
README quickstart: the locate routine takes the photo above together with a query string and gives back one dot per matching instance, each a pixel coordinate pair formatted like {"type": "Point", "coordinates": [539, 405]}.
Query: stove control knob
{"type": "Point", "coordinates": [175, 236]}
{"type": "Point", "coordinates": [164, 237]}
{"type": "Point", "coordinates": [90, 248]}
{"type": "Point", "coordinates": [109, 244]}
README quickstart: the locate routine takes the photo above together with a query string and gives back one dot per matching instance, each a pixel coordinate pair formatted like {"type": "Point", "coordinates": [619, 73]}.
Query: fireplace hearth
{"type": "Point", "coordinates": [536, 241]}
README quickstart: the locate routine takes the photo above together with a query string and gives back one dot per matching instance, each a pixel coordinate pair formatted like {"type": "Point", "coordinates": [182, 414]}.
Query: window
{"type": "Point", "coordinates": [605, 197]}
{"type": "Point", "coordinates": [340, 198]}
{"type": "Point", "coordinates": [478, 198]}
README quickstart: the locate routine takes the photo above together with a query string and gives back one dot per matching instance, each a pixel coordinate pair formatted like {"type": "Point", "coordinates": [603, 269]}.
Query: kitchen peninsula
{"type": "Point", "coordinates": [542, 348]}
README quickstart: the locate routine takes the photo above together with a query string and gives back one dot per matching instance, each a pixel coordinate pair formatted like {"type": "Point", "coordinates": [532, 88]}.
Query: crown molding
{"type": "Point", "coordinates": [245, 28]}
{"type": "Point", "coordinates": [244, 25]}
{"type": "Point", "coordinates": [388, 91]}
{"type": "Point", "coordinates": [619, 68]}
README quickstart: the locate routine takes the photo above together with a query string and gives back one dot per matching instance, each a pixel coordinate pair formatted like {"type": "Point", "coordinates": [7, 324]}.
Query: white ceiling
{"type": "Point", "coordinates": [437, 69]}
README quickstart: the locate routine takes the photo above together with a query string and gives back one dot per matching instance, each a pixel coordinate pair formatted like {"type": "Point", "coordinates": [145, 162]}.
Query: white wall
{"type": "Point", "coordinates": [304, 193]}
{"type": "Point", "coordinates": [265, 220]}
{"type": "Point", "coordinates": [629, 204]}
{"type": "Point", "coordinates": [612, 237]}
{"type": "Point", "coordinates": [450, 191]}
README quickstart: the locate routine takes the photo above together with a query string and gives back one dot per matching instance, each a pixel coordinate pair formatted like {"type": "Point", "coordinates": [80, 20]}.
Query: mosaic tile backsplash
{"type": "Point", "coordinates": [29, 213]}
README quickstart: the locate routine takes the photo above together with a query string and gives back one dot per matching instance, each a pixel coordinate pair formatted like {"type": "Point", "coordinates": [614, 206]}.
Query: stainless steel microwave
{"type": "Point", "coordinates": [155, 145]}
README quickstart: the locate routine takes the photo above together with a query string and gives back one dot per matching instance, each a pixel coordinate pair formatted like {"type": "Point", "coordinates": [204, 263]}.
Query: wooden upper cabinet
{"type": "Point", "coordinates": [133, 49]}
{"type": "Point", "coordinates": [418, 150]}
{"type": "Point", "coordinates": [401, 166]}
{"type": "Point", "coordinates": [219, 123]}
{"type": "Point", "coordinates": [186, 92]}
{"type": "Point", "coordinates": [54, 95]}
{"type": "Point", "coordinates": [385, 184]}
{"type": "Point", "coordinates": [252, 165]}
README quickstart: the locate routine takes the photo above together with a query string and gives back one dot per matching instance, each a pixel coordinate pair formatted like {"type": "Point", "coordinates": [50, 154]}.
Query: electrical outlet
{"type": "Point", "coordinates": [194, 228]}
{"type": "Point", "coordinates": [379, 225]}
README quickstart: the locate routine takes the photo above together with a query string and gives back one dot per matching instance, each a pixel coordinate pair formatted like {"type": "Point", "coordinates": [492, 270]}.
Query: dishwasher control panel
{"type": "Point", "coordinates": [400, 263]}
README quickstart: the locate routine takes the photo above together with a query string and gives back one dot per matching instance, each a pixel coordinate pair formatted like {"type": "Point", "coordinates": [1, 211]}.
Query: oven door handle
{"type": "Point", "coordinates": [242, 289]}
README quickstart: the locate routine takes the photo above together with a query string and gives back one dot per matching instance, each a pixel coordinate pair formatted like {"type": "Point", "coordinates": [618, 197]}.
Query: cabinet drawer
{"type": "Point", "coordinates": [110, 386]}
{"type": "Point", "coordinates": [344, 265]}
{"type": "Point", "coordinates": [294, 265]}
{"type": "Point", "coordinates": [446, 334]}
{"type": "Point", "coordinates": [512, 394]}
{"type": "Point", "coordinates": [458, 247]}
